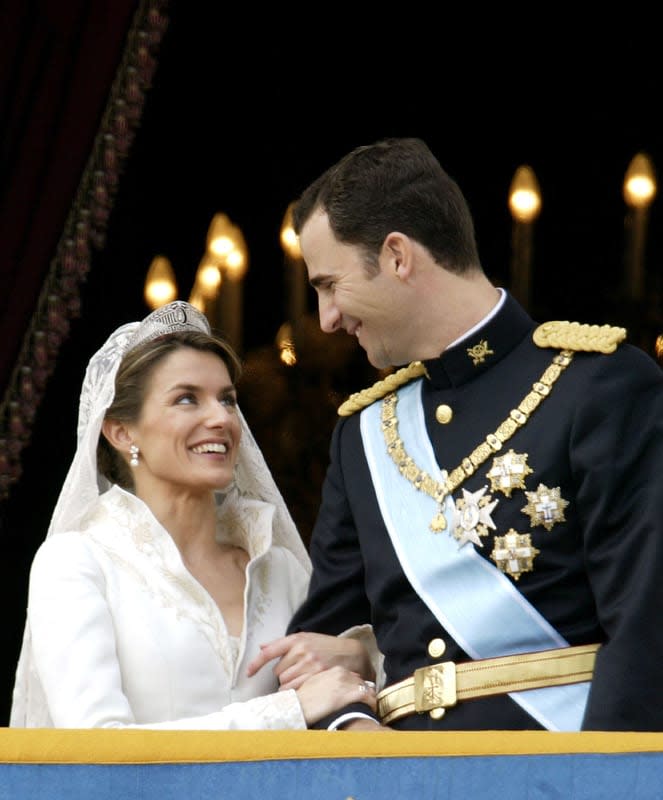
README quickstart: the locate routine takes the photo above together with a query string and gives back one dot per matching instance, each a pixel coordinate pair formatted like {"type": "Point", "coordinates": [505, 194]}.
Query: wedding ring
{"type": "Point", "coordinates": [362, 687]}
{"type": "Point", "coordinates": [369, 684]}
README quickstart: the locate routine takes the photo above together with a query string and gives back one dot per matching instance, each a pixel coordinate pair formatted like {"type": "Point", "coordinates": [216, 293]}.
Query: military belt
{"type": "Point", "coordinates": [439, 686]}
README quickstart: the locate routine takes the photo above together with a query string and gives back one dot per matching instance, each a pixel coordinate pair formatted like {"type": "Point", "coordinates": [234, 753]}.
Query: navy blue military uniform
{"type": "Point", "coordinates": [598, 576]}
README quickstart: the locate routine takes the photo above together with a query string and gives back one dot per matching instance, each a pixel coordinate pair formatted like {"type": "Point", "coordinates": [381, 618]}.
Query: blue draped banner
{"type": "Point", "coordinates": [275, 765]}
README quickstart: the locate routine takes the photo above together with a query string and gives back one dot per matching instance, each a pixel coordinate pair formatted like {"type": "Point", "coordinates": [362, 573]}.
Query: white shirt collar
{"type": "Point", "coordinates": [481, 322]}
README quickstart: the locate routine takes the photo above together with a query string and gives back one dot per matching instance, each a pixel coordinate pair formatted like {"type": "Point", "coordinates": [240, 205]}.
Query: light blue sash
{"type": "Point", "coordinates": [475, 602]}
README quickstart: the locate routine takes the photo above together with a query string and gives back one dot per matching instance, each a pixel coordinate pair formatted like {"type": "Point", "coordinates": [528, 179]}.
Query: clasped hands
{"type": "Point", "coordinates": [327, 672]}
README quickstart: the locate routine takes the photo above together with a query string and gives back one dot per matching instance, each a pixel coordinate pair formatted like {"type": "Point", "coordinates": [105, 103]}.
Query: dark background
{"type": "Point", "coordinates": [244, 111]}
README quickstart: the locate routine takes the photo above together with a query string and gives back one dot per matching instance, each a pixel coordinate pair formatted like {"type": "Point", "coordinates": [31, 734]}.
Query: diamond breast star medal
{"type": "Point", "coordinates": [545, 507]}
{"type": "Point", "coordinates": [472, 517]}
{"type": "Point", "coordinates": [509, 472]}
{"type": "Point", "coordinates": [514, 553]}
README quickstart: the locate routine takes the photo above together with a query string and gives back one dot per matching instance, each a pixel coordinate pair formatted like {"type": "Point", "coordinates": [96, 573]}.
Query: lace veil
{"type": "Point", "coordinates": [84, 484]}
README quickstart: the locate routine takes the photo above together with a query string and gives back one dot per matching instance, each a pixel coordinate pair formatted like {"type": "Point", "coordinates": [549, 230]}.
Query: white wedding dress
{"type": "Point", "coordinates": [122, 635]}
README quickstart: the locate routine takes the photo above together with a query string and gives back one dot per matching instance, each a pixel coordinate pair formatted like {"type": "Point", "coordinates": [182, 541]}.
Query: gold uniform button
{"type": "Point", "coordinates": [443, 414]}
{"type": "Point", "coordinates": [436, 648]}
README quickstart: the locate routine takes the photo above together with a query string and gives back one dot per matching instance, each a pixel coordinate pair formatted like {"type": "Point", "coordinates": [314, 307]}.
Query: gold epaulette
{"type": "Point", "coordinates": [378, 390]}
{"type": "Point", "coordinates": [579, 336]}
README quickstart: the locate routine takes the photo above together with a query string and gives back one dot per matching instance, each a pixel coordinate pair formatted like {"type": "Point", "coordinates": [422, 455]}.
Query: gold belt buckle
{"type": "Point", "coordinates": [435, 688]}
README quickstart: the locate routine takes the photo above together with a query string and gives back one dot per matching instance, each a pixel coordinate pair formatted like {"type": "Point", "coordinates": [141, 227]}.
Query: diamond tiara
{"type": "Point", "coordinates": [170, 318]}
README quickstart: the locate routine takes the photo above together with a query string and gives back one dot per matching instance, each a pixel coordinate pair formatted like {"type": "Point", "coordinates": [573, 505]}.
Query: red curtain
{"type": "Point", "coordinates": [73, 75]}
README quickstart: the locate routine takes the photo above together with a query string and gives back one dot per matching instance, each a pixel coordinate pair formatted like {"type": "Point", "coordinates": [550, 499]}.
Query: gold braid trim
{"type": "Point", "coordinates": [577, 336]}
{"type": "Point", "coordinates": [560, 335]}
{"type": "Point", "coordinates": [378, 390]}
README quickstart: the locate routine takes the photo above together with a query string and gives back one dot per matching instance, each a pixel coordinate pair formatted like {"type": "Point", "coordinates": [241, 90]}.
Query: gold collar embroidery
{"type": "Point", "coordinates": [439, 491]}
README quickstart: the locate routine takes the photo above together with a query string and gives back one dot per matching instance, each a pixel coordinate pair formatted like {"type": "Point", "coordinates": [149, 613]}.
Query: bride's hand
{"type": "Point", "coordinates": [304, 654]}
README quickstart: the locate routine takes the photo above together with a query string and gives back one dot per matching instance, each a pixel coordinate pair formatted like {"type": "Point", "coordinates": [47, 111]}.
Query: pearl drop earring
{"type": "Point", "coordinates": [134, 455]}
